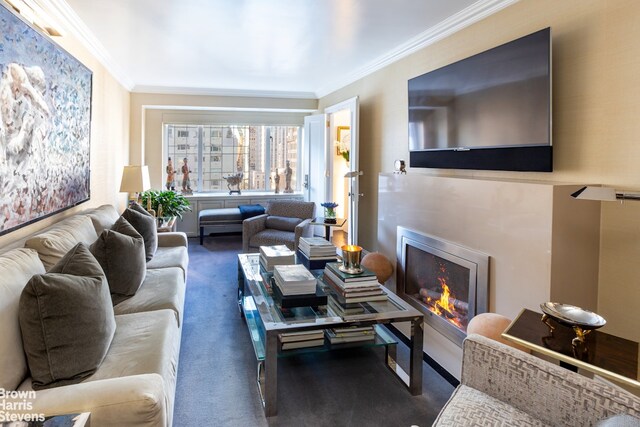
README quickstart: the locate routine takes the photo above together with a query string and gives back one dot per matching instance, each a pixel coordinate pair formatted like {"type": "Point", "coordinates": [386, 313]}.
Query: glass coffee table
{"type": "Point", "coordinates": [265, 321]}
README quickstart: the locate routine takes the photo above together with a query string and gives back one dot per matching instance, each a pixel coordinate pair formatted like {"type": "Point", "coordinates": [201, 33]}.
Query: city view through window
{"type": "Point", "coordinates": [214, 152]}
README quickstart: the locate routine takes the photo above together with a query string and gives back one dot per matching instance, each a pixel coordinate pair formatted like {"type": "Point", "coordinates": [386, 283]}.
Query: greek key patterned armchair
{"type": "Point", "coordinates": [502, 386]}
{"type": "Point", "coordinates": [284, 222]}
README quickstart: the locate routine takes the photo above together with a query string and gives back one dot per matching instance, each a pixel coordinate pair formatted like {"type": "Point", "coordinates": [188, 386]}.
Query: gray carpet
{"type": "Point", "coordinates": [217, 371]}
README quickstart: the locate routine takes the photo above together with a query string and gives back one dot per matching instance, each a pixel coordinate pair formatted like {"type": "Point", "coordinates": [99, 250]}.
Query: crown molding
{"type": "Point", "coordinates": [170, 90]}
{"type": "Point", "coordinates": [64, 14]}
{"type": "Point", "coordinates": [472, 14]}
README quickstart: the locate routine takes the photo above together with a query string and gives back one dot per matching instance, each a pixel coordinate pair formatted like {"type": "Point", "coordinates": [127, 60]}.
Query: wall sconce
{"type": "Point", "coordinates": [603, 194]}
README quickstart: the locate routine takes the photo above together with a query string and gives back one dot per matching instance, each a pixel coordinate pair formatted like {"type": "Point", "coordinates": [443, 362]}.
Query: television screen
{"type": "Point", "coordinates": [498, 100]}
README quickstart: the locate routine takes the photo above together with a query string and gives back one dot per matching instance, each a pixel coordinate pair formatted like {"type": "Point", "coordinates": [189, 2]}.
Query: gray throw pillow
{"type": "Point", "coordinates": [620, 420]}
{"type": "Point", "coordinates": [121, 254]}
{"type": "Point", "coordinates": [67, 321]}
{"type": "Point", "coordinates": [144, 224]}
{"type": "Point", "coordinates": [138, 208]}
{"type": "Point", "coordinates": [282, 223]}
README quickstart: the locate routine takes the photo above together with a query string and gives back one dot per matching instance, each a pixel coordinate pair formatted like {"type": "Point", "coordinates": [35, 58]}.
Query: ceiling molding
{"type": "Point", "coordinates": [169, 90]}
{"type": "Point", "coordinates": [64, 14]}
{"type": "Point", "coordinates": [474, 13]}
{"type": "Point", "coordinates": [229, 109]}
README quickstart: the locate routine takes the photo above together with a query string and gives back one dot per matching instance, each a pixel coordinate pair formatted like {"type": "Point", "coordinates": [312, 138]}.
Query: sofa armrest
{"type": "Point", "coordinates": [172, 239]}
{"type": "Point", "coordinates": [304, 229]}
{"type": "Point", "coordinates": [137, 400]}
{"type": "Point", "coordinates": [251, 226]}
{"type": "Point", "coordinates": [555, 395]}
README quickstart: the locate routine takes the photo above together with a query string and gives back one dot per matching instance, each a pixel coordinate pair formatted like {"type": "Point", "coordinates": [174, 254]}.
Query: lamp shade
{"type": "Point", "coordinates": [605, 194]}
{"type": "Point", "coordinates": [135, 179]}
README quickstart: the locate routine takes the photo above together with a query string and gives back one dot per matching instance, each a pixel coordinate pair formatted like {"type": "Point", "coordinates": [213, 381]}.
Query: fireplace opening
{"type": "Point", "coordinates": [447, 282]}
{"type": "Point", "coordinates": [441, 285]}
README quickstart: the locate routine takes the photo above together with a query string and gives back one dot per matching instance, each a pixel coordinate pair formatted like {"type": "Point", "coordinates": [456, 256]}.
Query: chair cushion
{"type": "Point", "coordinates": [291, 208]}
{"type": "Point", "coordinates": [467, 406]}
{"type": "Point", "coordinates": [121, 254]}
{"type": "Point", "coordinates": [282, 223]}
{"type": "Point", "coordinates": [56, 241]}
{"type": "Point", "coordinates": [144, 224]}
{"type": "Point", "coordinates": [67, 320]}
{"type": "Point", "coordinates": [270, 237]}
{"type": "Point", "coordinates": [16, 268]}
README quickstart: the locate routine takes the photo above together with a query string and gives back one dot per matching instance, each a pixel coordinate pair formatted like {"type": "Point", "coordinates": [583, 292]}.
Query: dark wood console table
{"type": "Point", "coordinates": [611, 357]}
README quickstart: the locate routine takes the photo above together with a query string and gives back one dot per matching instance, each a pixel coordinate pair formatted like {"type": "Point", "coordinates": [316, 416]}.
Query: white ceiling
{"type": "Point", "coordinates": [297, 48]}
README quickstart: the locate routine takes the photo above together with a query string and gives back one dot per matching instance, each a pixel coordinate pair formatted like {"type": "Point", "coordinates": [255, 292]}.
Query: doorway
{"type": "Point", "coordinates": [342, 166]}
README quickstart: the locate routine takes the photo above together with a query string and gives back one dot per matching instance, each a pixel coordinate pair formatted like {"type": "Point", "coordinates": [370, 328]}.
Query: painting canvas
{"type": "Point", "coordinates": [45, 126]}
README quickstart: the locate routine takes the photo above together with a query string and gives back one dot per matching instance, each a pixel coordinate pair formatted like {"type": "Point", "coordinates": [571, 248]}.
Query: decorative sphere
{"type": "Point", "coordinates": [379, 264]}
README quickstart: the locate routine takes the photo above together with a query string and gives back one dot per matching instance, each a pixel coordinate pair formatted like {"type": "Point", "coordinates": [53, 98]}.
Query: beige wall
{"type": "Point", "coordinates": [109, 139]}
{"type": "Point", "coordinates": [596, 105]}
{"type": "Point", "coordinates": [150, 111]}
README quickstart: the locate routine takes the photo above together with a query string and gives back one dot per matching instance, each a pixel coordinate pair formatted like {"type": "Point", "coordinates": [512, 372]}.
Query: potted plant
{"type": "Point", "coordinates": [167, 203]}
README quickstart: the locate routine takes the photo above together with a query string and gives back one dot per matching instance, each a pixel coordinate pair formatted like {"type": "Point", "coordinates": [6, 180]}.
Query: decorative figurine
{"type": "Point", "coordinates": [287, 178]}
{"type": "Point", "coordinates": [234, 180]}
{"type": "Point", "coordinates": [186, 181]}
{"type": "Point", "coordinates": [171, 176]}
{"type": "Point", "coordinates": [277, 181]}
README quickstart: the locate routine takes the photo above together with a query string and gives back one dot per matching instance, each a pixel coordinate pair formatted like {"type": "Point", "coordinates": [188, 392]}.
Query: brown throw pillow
{"type": "Point", "coordinates": [144, 224]}
{"type": "Point", "coordinates": [121, 254]}
{"type": "Point", "coordinates": [138, 208]}
{"type": "Point", "coordinates": [67, 322]}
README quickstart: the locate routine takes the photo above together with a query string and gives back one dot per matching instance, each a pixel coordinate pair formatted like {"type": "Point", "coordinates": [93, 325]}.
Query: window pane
{"type": "Point", "coordinates": [284, 152]}
{"type": "Point", "coordinates": [232, 149]}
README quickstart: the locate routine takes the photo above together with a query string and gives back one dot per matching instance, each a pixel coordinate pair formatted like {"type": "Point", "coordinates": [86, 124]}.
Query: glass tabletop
{"type": "Point", "coordinates": [326, 315]}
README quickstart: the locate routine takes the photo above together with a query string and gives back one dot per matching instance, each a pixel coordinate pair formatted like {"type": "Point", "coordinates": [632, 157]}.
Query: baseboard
{"type": "Point", "coordinates": [427, 359]}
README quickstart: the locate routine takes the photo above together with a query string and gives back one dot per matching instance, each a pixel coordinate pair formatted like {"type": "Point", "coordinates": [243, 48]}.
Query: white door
{"type": "Point", "coordinates": [353, 176]}
{"type": "Point", "coordinates": [315, 179]}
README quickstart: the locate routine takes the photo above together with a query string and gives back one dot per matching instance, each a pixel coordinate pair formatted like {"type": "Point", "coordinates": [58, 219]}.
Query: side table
{"type": "Point", "coordinates": [167, 225]}
{"type": "Point", "coordinates": [612, 357]}
{"type": "Point", "coordinates": [339, 222]}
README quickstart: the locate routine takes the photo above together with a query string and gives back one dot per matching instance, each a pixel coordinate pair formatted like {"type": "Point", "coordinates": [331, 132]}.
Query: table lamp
{"type": "Point", "coordinates": [135, 180]}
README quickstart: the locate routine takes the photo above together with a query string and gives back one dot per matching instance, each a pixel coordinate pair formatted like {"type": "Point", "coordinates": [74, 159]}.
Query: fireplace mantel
{"type": "Point", "coordinates": [543, 244]}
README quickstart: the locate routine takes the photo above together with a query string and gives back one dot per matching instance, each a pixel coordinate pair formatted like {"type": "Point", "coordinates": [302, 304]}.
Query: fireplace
{"type": "Point", "coordinates": [448, 282]}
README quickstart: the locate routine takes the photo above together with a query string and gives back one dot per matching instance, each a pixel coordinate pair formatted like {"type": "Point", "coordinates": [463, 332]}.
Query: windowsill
{"type": "Point", "coordinates": [245, 193]}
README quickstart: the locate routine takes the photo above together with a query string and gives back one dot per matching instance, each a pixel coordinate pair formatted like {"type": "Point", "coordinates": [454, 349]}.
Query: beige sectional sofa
{"type": "Point", "coordinates": [503, 386]}
{"type": "Point", "coordinates": [135, 384]}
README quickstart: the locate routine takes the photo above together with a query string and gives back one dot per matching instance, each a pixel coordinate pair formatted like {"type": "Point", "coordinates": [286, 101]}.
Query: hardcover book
{"type": "Point", "coordinates": [347, 278]}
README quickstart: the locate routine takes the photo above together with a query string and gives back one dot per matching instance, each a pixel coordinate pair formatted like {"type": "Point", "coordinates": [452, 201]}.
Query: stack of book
{"type": "Point", "coordinates": [315, 252]}
{"type": "Point", "coordinates": [270, 256]}
{"type": "Point", "coordinates": [335, 308]}
{"type": "Point", "coordinates": [291, 340]}
{"type": "Point", "coordinates": [294, 279]}
{"type": "Point", "coordinates": [350, 334]}
{"type": "Point", "coordinates": [353, 288]}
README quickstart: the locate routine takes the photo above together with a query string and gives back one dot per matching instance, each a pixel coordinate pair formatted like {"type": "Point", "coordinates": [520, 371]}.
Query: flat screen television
{"type": "Point", "coordinates": [491, 111]}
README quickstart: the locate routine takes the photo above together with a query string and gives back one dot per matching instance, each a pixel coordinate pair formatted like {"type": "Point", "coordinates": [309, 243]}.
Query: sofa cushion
{"type": "Point", "coordinates": [103, 217]}
{"type": "Point", "coordinates": [163, 288]}
{"type": "Point", "coordinates": [467, 406]}
{"type": "Point", "coordinates": [56, 241]}
{"type": "Point", "coordinates": [16, 268]}
{"type": "Point", "coordinates": [168, 256]}
{"type": "Point", "coordinates": [66, 319]}
{"type": "Point", "coordinates": [145, 225]}
{"type": "Point", "coordinates": [120, 252]}
{"type": "Point", "coordinates": [282, 223]}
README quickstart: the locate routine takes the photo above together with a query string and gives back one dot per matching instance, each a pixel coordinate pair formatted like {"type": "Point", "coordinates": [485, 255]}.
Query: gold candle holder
{"type": "Point", "coordinates": [351, 256]}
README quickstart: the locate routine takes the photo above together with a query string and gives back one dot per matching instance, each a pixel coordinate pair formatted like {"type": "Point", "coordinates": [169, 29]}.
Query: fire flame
{"type": "Point", "coordinates": [444, 304]}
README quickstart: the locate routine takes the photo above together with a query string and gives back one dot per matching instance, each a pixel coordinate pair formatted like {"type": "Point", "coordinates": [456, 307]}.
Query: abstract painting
{"type": "Point", "coordinates": [45, 126]}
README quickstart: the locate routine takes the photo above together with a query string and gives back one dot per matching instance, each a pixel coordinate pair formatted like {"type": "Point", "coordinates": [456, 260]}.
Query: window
{"type": "Point", "coordinates": [214, 152]}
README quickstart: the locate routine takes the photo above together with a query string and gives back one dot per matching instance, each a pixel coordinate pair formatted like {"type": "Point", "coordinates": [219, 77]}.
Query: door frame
{"type": "Point", "coordinates": [353, 106]}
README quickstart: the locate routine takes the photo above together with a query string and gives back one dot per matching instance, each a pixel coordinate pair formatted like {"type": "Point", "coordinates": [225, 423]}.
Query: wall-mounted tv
{"type": "Point", "coordinates": [491, 111]}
